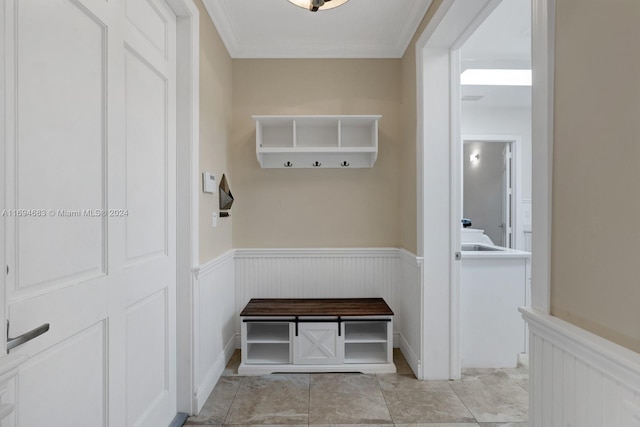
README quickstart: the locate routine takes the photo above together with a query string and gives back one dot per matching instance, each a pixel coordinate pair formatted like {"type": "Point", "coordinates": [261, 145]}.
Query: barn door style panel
{"type": "Point", "coordinates": [318, 343]}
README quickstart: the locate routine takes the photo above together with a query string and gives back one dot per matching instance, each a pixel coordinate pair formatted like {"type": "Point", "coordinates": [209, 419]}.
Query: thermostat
{"type": "Point", "coordinates": [208, 182]}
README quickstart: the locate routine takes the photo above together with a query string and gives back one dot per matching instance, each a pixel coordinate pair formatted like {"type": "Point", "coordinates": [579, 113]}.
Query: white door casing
{"type": "Point", "coordinates": [90, 164]}
{"type": "Point", "coordinates": [442, 37]}
{"type": "Point", "coordinates": [507, 197]}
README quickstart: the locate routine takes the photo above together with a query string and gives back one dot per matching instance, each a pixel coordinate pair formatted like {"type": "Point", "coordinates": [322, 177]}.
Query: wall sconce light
{"type": "Point", "coordinates": [474, 158]}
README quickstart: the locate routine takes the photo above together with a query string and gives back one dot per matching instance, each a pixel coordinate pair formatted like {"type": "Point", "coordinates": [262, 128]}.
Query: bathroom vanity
{"type": "Point", "coordinates": [317, 335]}
{"type": "Point", "coordinates": [493, 283]}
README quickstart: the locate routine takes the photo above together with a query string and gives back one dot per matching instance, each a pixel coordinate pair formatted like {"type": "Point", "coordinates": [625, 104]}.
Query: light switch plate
{"type": "Point", "coordinates": [214, 220]}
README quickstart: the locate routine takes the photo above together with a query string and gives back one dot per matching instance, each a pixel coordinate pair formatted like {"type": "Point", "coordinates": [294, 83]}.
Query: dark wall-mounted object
{"type": "Point", "coordinates": [226, 198]}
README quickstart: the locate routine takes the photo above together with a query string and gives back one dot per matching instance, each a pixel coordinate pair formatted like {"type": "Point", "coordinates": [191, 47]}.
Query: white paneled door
{"type": "Point", "coordinates": [89, 114]}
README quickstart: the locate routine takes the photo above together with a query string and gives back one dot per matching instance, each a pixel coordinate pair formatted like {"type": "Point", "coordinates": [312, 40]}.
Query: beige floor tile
{"type": "Point", "coordinates": [217, 405]}
{"type": "Point", "coordinates": [402, 367]}
{"type": "Point", "coordinates": [492, 396]}
{"type": "Point", "coordinates": [413, 401]}
{"type": "Point", "coordinates": [271, 399]}
{"type": "Point", "coordinates": [232, 366]}
{"type": "Point", "coordinates": [267, 425]}
{"type": "Point", "coordinates": [504, 424]}
{"type": "Point", "coordinates": [351, 425]}
{"type": "Point", "coordinates": [346, 399]}
{"type": "Point", "coordinates": [439, 425]}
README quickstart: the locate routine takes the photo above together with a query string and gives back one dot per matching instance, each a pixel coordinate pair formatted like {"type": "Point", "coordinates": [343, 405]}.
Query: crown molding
{"type": "Point", "coordinates": [394, 48]}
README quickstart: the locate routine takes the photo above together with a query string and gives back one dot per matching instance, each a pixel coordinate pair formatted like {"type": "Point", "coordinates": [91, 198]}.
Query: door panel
{"type": "Point", "coordinates": [75, 371]}
{"type": "Point", "coordinates": [148, 277]}
{"type": "Point", "coordinates": [60, 99]}
{"type": "Point", "coordinates": [146, 139]}
{"type": "Point", "coordinates": [147, 347]}
{"type": "Point", "coordinates": [150, 22]}
{"type": "Point", "coordinates": [93, 83]}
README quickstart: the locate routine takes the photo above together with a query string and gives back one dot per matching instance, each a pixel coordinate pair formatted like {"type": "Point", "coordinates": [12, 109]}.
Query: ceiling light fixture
{"type": "Point", "coordinates": [481, 77]}
{"type": "Point", "coordinates": [316, 5]}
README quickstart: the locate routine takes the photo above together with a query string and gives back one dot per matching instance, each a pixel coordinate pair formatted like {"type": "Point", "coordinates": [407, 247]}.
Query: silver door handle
{"type": "Point", "coordinates": [27, 336]}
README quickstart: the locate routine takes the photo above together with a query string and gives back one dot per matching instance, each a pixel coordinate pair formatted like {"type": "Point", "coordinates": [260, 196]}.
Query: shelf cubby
{"type": "Point", "coordinates": [317, 141]}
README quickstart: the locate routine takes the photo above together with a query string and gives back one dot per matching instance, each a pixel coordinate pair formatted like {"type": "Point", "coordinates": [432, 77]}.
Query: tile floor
{"type": "Point", "coordinates": [483, 397]}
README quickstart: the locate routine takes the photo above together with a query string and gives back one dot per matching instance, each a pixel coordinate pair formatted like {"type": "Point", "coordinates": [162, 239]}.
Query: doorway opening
{"type": "Point", "coordinates": [438, 70]}
{"type": "Point", "coordinates": [491, 188]}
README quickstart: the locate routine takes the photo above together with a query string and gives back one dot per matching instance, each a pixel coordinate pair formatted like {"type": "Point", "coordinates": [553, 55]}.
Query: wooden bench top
{"type": "Point", "coordinates": [317, 307]}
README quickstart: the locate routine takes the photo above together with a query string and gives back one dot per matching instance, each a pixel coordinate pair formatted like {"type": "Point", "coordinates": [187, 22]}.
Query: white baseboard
{"type": "Point", "coordinates": [409, 355]}
{"type": "Point", "coordinates": [578, 378]}
{"type": "Point", "coordinates": [215, 373]}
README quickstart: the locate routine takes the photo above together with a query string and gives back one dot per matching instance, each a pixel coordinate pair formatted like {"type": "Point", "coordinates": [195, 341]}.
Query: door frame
{"type": "Point", "coordinates": [438, 125]}
{"type": "Point", "coordinates": [515, 142]}
{"type": "Point", "coordinates": [187, 194]}
{"type": "Point", "coordinates": [187, 161]}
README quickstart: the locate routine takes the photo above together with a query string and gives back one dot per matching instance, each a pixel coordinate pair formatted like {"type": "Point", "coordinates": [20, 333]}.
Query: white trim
{"type": "Point", "coordinates": [412, 359]}
{"type": "Point", "coordinates": [4, 100]}
{"type": "Point", "coordinates": [409, 27]}
{"type": "Point", "coordinates": [455, 199]}
{"type": "Point", "coordinates": [447, 30]}
{"type": "Point", "coordinates": [214, 374]}
{"type": "Point", "coordinates": [438, 111]}
{"type": "Point", "coordinates": [409, 257]}
{"type": "Point", "coordinates": [578, 378]}
{"type": "Point", "coordinates": [214, 263]}
{"type": "Point", "coordinates": [315, 252]}
{"type": "Point", "coordinates": [542, 57]}
{"type": "Point", "coordinates": [618, 361]}
{"type": "Point", "coordinates": [187, 186]}
{"type": "Point", "coordinates": [221, 18]}
{"type": "Point", "coordinates": [517, 222]}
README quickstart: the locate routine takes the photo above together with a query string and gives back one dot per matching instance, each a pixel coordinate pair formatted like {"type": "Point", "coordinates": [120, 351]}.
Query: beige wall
{"type": "Point", "coordinates": [596, 197]}
{"type": "Point", "coordinates": [316, 207]}
{"type": "Point", "coordinates": [408, 177]}
{"type": "Point", "coordinates": [215, 124]}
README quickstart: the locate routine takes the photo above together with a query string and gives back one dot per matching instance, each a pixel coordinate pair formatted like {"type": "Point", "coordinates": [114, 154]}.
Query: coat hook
{"type": "Point", "coordinates": [288, 165]}
{"type": "Point", "coordinates": [344, 164]}
{"type": "Point", "coordinates": [317, 164]}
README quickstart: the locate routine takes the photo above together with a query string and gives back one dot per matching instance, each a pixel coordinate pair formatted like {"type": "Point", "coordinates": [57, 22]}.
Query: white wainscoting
{"type": "Point", "coordinates": [224, 285]}
{"type": "Point", "coordinates": [214, 322]}
{"type": "Point", "coordinates": [389, 273]}
{"type": "Point", "coordinates": [579, 379]}
{"type": "Point", "coordinates": [408, 319]}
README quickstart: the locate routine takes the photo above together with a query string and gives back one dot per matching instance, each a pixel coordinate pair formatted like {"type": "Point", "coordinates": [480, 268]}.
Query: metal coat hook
{"type": "Point", "coordinates": [317, 164]}
{"type": "Point", "coordinates": [344, 164]}
{"type": "Point", "coordinates": [288, 165]}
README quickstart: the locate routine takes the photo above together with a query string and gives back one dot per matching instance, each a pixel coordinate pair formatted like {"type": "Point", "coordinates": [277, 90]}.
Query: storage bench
{"type": "Point", "coordinates": [317, 335]}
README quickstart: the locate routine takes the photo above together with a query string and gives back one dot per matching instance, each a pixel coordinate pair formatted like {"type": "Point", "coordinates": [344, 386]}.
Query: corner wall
{"type": "Point", "coordinates": [408, 154]}
{"type": "Point", "coordinates": [215, 125]}
{"type": "Point", "coordinates": [596, 238]}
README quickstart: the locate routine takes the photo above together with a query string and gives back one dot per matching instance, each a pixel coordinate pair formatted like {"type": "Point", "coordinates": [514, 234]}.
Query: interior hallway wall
{"type": "Point", "coordinates": [482, 200]}
{"type": "Point", "coordinates": [596, 240]}
{"type": "Point", "coordinates": [215, 125]}
{"type": "Point", "coordinates": [408, 155]}
{"type": "Point", "coordinates": [502, 121]}
{"type": "Point", "coordinates": [308, 208]}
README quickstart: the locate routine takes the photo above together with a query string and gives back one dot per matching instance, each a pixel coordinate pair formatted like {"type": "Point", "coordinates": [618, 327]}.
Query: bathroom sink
{"type": "Point", "coordinates": [474, 247]}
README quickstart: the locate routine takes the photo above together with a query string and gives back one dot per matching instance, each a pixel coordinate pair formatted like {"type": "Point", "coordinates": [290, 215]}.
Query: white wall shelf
{"type": "Point", "coordinates": [317, 141]}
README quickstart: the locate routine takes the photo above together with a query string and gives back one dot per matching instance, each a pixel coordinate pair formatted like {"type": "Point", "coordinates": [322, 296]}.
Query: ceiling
{"type": "Point", "coordinates": [503, 40]}
{"type": "Point", "coordinates": [278, 29]}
